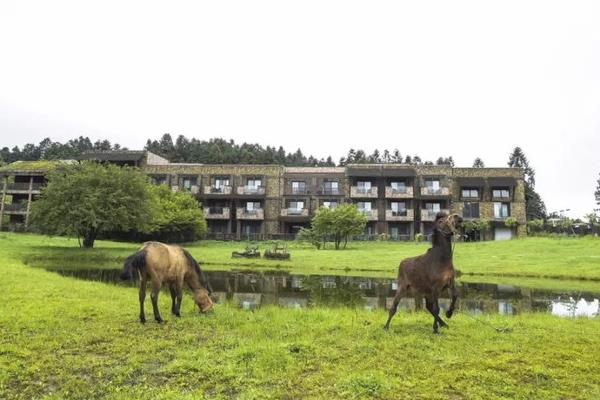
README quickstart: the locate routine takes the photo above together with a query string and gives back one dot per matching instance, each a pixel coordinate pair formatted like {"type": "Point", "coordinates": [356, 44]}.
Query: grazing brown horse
{"type": "Point", "coordinates": [166, 264]}
{"type": "Point", "coordinates": [431, 272]}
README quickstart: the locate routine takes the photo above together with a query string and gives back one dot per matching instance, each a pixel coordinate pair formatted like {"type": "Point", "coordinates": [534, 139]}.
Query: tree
{"type": "Point", "coordinates": [339, 224]}
{"type": "Point", "coordinates": [478, 163]}
{"type": "Point", "coordinates": [534, 205]}
{"type": "Point", "coordinates": [88, 199]}
{"type": "Point", "coordinates": [177, 216]}
{"type": "Point", "coordinates": [597, 193]}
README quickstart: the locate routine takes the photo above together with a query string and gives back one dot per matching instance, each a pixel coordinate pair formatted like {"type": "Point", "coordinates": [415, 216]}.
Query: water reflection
{"type": "Point", "coordinates": [251, 290]}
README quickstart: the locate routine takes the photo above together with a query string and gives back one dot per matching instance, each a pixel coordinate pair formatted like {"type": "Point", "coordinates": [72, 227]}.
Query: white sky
{"type": "Point", "coordinates": [444, 78]}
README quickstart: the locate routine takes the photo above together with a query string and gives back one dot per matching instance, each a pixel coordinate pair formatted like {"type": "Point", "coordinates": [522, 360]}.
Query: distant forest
{"type": "Point", "coordinates": [213, 151]}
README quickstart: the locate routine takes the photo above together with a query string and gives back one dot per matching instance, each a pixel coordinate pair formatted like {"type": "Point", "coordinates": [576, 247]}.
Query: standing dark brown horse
{"type": "Point", "coordinates": [432, 272]}
{"type": "Point", "coordinates": [162, 263]}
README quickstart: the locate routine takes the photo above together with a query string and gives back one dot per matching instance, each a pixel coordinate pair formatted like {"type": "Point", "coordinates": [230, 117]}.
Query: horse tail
{"type": "Point", "coordinates": [135, 262]}
{"type": "Point", "coordinates": [201, 275]}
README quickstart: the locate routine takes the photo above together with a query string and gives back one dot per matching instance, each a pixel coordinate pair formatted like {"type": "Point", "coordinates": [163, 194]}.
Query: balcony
{"type": "Point", "coordinates": [15, 208]}
{"type": "Point", "coordinates": [194, 189]}
{"type": "Point", "coordinates": [294, 212]}
{"type": "Point", "coordinates": [327, 191]}
{"type": "Point", "coordinates": [256, 214]}
{"type": "Point", "coordinates": [501, 217]}
{"type": "Point", "coordinates": [221, 190]}
{"type": "Point", "coordinates": [22, 187]}
{"type": "Point", "coordinates": [429, 215]}
{"type": "Point", "coordinates": [392, 193]}
{"type": "Point", "coordinates": [407, 215]}
{"type": "Point", "coordinates": [442, 191]}
{"type": "Point", "coordinates": [216, 213]}
{"type": "Point", "coordinates": [251, 190]}
{"type": "Point", "coordinates": [371, 215]}
{"type": "Point", "coordinates": [361, 192]}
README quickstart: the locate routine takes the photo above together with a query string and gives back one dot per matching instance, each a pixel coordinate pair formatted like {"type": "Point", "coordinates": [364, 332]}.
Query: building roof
{"type": "Point", "coordinates": [114, 155]}
{"type": "Point", "coordinates": [33, 167]}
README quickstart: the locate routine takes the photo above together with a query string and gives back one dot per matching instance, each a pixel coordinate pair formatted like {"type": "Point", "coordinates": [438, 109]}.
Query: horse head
{"type": "Point", "coordinates": [448, 224]}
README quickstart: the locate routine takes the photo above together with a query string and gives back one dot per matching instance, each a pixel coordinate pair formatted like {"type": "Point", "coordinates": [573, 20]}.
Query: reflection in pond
{"type": "Point", "coordinates": [250, 290]}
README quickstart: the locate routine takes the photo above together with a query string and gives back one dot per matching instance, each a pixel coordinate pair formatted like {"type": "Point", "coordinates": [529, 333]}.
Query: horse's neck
{"type": "Point", "coordinates": [192, 279]}
{"type": "Point", "coordinates": [441, 247]}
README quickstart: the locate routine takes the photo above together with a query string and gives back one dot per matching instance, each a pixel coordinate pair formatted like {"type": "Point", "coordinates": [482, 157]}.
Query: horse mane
{"type": "Point", "coordinates": [194, 264]}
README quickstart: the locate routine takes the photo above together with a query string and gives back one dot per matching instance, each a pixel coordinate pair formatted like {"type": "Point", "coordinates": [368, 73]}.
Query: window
{"type": "Point", "coordinates": [501, 193]}
{"type": "Point", "coordinates": [252, 206]}
{"type": "Point", "coordinates": [220, 183]}
{"type": "Point", "coordinates": [470, 193]}
{"type": "Point", "coordinates": [501, 210]}
{"type": "Point", "coordinates": [471, 210]}
{"type": "Point", "coordinates": [332, 204]}
{"type": "Point", "coordinates": [254, 183]}
{"type": "Point", "coordinates": [159, 180]}
{"type": "Point", "coordinates": [296, 205]}
{"type": "Point", "coordinates": [364, 206]}
{"type": "Point", "coordinates": [363, 187]}
{"type": "Point", "coordinates": [398, 187]}
{"type": "Point", "coordinates": [298, 187]}
{"type": "Point", "coordinates": [433, 185]}
{"type": "Point", "coordinates": [433, 207]}
{"type": "Point", "coordinates": [331, 187]}
{"type": "Point", "coordinates": [398, 208]}
{"type": "Point", "coordinates": [188, 182]}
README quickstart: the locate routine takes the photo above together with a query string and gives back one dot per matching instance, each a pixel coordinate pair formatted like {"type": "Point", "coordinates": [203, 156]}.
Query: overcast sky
{"type": "Point", "coordinates": [467, 79]}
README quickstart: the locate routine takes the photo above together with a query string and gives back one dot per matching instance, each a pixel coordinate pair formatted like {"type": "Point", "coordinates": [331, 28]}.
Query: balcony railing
{"type": "Point", "coordinates": [22, 186]}
{"type": "Point", "coordinates": [428, 191]}
{"type": "Point", "coordinates": [243, 213]}
{"type": "Point", "coordinates": [406, 215]}
{"type": "Point", "coordinates": [216, 213]}
{"type": "Point", "coordinates": [299, 191]}
{"type": "Point", "coordinates": [429, 215]}
{"type": "Point", "coordinates": [294, 212]}
{"type": "Point", "coordinates": [221, 190]}
{"type": "Point", "coordinates": [393, 193]}
{"type": "Point", "coordinates": [15, 207]}
{"type": "Point", "coordinates": [251, 190]}
{"type": "Point", "coordinates": [194, 189]}
{"type": "Point", "coordinates": [330, 191]}
{"type": "Point", "coordinates": [358, 191]}
{"type": "Point", "coordinates": [370, 214]}
{"type": "Point", "coordinates": [500, 217]}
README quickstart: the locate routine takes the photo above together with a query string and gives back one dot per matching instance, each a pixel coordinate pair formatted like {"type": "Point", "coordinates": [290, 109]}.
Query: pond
{"type": "Point", "coordinates": [251, 290]}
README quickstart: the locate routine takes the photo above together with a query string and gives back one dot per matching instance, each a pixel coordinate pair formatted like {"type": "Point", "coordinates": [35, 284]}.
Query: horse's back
{"type": "Point", "coordinates": [167, 262]}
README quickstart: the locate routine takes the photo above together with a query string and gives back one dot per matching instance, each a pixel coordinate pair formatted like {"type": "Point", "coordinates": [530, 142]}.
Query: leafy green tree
{"type": "Point", "coordinates": [88, 199]}
{"type": "Point", "coordinates": [535, 226]}
{"type": "Point", "coordinates": [339, 224]}
{"type": "Point", "coordinates": [177, 216]}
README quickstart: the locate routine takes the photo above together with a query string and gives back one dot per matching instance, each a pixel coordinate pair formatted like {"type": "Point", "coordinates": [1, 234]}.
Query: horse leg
{"type": "Point", "coordinates": [142, 299]}
{"type": "Point", "coordinates": [175, 305]}
{"type": "Point", "coordinates": [429, 306]}
{"type": "Point", "coordinates": [394, 307]}
{"type": "Point", "coordinates": [154, 297]}
{"type": "Point", "coordinates": [454, 294]}
{"type": "Point", "coordinates": [436, 312]}
{"type": "Point", "coordinates": [434, 308]}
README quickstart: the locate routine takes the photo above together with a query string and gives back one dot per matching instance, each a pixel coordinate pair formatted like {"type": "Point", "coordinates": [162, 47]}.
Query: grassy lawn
{"type": "Point", "coordinates": [65, 338]}
{"type": "Point", "coordinates": [532, 257]}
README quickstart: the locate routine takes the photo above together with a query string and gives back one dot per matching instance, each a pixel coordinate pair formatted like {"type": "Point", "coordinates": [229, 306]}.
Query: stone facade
{"type": "Point", "coordinates": [399, 198]}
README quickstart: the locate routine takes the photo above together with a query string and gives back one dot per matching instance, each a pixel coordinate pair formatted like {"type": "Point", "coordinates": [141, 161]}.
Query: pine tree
{"type": "Point", "coordinates": [597, 193]}
{"type": "Point", "coordinates": [478, 163]}
{"type": "Point", "coordinates": [535, 207]}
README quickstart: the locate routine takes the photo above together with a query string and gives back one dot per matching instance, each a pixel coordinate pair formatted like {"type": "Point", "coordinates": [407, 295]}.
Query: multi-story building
{"type": "Point", "coordinates": [261, 201]}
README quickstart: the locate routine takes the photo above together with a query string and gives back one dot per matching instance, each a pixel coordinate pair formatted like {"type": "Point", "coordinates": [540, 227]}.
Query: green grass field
{"type": "Point", "coordinates": [66, 338]}
{"type": "Point", "coordinates": [532, 257]}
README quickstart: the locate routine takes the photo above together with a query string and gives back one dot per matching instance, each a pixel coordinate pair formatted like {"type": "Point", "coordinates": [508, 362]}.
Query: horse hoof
{"type": "Point", "coordinates": [143, 320]}
{"type": "Point", "coordinates": [448, 314]}
{"type": "Point", "coordinates": [160, 320]}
